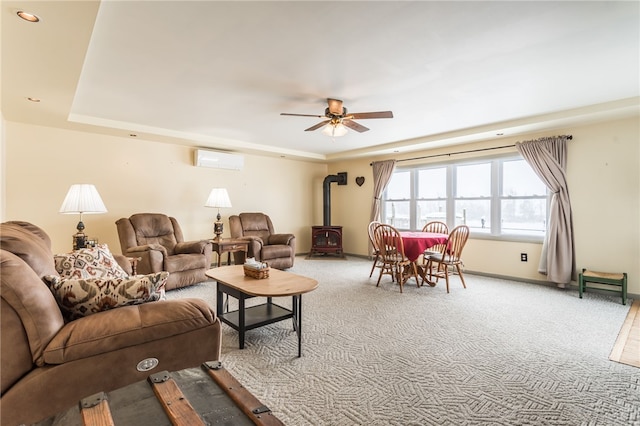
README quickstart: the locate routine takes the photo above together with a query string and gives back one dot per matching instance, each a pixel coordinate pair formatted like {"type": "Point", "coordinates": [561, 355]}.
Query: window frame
{"type": "Point", "coordinates": [496, 197]}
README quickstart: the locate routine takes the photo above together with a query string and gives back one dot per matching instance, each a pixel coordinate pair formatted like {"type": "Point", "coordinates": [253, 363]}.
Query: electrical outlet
{"type": "Point", "coordinates": [523, 257]}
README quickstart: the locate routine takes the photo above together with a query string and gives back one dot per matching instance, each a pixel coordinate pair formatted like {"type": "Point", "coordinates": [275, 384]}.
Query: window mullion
{"type": "Point", "coordinates": [412, 202]}
{"type": "Point", "coordinates": [451, 183]}
{"type": "Point", "coordinates": [496, 197]}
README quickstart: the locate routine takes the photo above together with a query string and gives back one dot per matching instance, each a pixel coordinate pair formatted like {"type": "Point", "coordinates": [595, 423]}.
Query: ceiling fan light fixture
{"type": "Point", "coordinates": [333, 124]}
{"type": "Point", "coordinates": [334, 130]}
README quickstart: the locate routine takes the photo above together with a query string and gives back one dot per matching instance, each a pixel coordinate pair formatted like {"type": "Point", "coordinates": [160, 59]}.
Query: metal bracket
{"type": "Point", "coordinates": [261, 409]}
{"type": "Point", "coordinates": [213, 365]}
{"type": "Point", "coordinates": [160, 377]}
{"type": "Point", "coordinates": [93, 400]}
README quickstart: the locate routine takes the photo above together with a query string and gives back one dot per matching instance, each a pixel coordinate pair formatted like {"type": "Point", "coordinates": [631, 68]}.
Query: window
{"type": "Point", "coordinates": [497, 197]}
{"type": "Point", "coordinates": [431, 202]}
{"type": "Point", "coordinates": [396, 206]}
{"type": "Point", "coordinates": [523, 200]}
{"type": "Point", "coordinates": [472, 196]}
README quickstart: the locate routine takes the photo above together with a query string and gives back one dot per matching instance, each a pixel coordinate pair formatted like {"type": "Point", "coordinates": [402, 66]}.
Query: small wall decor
{"type": "Point", "coordinates": [360, 180]}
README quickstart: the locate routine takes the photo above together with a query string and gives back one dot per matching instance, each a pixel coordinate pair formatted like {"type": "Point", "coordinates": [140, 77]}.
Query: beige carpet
{"type": "Point", "coordinates": [627, 347]}
{"type": "Point", "coordinates": [498, 353]}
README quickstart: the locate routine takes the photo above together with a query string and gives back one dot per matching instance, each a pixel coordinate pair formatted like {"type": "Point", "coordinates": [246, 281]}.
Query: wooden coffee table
{"type": "Point", "coordinates": [231, 281]}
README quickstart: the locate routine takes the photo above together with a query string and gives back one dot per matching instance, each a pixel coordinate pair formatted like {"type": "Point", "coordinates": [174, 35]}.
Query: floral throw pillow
{"type": "Point", "coordinates": [90, 262]}
{"type": "Point", "coordinates": [82, 297]}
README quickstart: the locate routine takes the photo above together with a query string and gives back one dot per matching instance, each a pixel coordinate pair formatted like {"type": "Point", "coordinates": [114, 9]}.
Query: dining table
{"type": "Point", "coordinates": [415, 243]}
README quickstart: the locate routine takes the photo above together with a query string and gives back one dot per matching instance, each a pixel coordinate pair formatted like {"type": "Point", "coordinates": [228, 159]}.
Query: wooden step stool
{"type": "Point", "coordinates": [611, 279]}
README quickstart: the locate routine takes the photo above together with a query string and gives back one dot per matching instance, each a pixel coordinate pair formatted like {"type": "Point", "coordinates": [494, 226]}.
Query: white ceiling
{"type": "Point", "coordinates": [218, 74]}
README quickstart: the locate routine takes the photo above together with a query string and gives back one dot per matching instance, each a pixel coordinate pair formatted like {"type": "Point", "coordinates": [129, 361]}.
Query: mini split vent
{"type": "Point", "coordinates": [217, 160]}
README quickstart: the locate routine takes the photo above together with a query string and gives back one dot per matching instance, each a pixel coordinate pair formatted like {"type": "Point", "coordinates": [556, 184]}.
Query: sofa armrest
{"type": "Point", "coordinates": [188, 247]}
{"type": "Point", "coordinates": [284, 239]}
{"type": "Point", "coordinates": [128, 326]}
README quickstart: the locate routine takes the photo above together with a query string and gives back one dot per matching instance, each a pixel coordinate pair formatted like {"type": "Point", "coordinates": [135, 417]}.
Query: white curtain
{"type": "Point", "coordinates": [548, 158]}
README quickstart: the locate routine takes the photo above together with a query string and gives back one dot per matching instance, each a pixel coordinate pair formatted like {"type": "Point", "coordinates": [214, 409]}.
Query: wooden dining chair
{"type": "Point", "coordinates": [374, 245]}
{"type": "Point", "coordinates": [436, 227]}
{"type": "Point", "coordinates": [394, 261]}
{"type": "Point", "coordinates": [439, 264]}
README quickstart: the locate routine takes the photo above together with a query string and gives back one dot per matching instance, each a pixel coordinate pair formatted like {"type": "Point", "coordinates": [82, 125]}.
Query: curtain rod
{"type": "Point", "coordinates": [569, 137]}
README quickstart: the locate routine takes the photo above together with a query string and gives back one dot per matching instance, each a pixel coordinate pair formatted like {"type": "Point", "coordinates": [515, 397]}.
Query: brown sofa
{"type": "Point", "coordinates": [48, 365]}
{"type": "Point", "coordinates": [278, 250]}
{"type": "Point", "coordinates": [157, 239]}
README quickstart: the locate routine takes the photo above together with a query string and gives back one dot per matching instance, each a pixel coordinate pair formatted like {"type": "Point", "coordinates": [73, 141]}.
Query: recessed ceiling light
{"type": "Point", "coordinates": [30, 17]}
{"type": "Point", "coordinates": [33, 99]}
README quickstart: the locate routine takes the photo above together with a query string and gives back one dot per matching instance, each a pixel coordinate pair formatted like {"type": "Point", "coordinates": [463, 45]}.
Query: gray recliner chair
{"type": "Point", "coordinates": [278, 250]}
{"type": "Point", "coordinates": [157, 239]}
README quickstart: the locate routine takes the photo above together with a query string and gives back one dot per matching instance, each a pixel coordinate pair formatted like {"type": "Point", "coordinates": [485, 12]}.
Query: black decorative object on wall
{"type": "Point", "coordinates": [360, 180]}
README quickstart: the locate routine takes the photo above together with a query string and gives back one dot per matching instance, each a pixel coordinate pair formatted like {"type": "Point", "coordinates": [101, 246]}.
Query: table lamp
{"type": "Point", "coordinates": [218, 198]}
{"type": "Point", "coordinates": [82, 198]}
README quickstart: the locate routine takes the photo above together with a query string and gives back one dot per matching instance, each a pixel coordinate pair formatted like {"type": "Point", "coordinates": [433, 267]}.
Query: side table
{"type": "Point", "coordinates": [229, 245]}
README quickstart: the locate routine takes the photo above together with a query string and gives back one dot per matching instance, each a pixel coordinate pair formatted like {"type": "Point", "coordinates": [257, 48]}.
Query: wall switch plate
{"type": "Point", "coordinates": [523, 257]}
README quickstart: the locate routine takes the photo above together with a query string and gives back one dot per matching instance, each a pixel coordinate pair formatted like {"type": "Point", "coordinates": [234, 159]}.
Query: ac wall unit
{"type": "Point", "coordinates": [217, 159]}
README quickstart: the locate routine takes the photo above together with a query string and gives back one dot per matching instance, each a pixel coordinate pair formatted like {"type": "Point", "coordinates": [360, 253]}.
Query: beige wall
{"type": "Point", "coordinates": [604, 185]}
{"type": "Point", "coordinates": [135, 176]}
{"type": "Point", "coordinates": [2, 166]}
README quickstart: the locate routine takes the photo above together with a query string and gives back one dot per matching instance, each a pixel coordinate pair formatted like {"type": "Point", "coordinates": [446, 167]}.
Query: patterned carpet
{"type": "Point", "coordinates": [497, 353]}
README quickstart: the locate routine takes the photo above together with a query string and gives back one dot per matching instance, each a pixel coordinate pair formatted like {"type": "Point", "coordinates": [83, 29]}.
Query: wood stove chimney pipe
{"type": "Point", "coordinates": [340, 179]}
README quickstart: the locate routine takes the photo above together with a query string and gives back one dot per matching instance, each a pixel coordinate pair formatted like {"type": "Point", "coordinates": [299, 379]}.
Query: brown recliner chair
{"type": "Point", "coordinates": [157, 239]}
{"type": "Point", "coordinates": [278, 250]}
{"type": "Point", "coordinates": [48, 365]}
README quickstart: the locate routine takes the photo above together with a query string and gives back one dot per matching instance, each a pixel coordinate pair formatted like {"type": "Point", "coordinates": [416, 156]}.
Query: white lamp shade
{"type": "Point", "coordinates": [218, 198]}
{"type": "Point", "coordinates": [83, 198]}
{"type": "Point", "coordinates": [335, 130]}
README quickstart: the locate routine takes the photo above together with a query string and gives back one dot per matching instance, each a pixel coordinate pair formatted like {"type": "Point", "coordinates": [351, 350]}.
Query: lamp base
{"type": "Point", "coordinates": [218, 228]}
{"type": "Point", "coordinates": [79, 241]}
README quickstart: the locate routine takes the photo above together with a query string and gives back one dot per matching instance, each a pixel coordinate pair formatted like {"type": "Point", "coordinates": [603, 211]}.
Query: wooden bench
{"type": "Point", "coordinates": [604, 278]}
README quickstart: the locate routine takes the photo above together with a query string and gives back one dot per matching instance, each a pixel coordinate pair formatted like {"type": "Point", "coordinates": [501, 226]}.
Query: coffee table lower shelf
{"type": "Point", "coordinates": [256, 316]}
{"type": "Point", "coordinates": [249, 318]}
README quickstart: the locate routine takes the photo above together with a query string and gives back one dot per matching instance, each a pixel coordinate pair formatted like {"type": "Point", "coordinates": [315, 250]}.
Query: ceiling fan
{"type": "Point", "coordinates": [339, 118]}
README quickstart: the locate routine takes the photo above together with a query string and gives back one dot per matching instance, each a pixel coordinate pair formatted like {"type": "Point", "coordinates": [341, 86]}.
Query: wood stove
{"type": "Point", "coordinates": [327, 239]}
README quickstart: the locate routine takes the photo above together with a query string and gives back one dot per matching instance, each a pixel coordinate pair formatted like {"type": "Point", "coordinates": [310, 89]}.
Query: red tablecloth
{"type": "Point", "coordinates": [415, 243]}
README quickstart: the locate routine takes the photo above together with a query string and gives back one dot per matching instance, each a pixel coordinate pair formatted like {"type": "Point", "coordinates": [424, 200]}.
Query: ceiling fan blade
{"type": "Point", "coordinates": [363, 115]}
{"type": "Point", "coordinates": [317, 126]}
{"type": "Point", "coordinates": [355, 126]}
{"type": "Point", "coordinates": [302, 115]}
{"type": "Point", "coordinates": [335, 106]}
